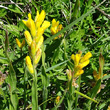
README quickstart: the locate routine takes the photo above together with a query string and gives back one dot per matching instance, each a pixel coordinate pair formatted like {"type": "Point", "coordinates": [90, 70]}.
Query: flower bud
{"type": "Point", "coordinates": [29, 64]}
{"type": "Point", "coordinates": [38, 56]}
{"type": "Point", "coordinates": [39, 43]}
{"type": "Point", "coordinates": [33, 48]}
{"type": "Point", "coordinates": [28, 37]}
{"type": "Point", "coordinates": [18, 43]}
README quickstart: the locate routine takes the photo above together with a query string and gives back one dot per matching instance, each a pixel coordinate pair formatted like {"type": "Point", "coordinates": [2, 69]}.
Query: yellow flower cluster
{"type": "Point", "coordinates": [35, 39]}
{"type": "Point", "coordinates": [80, 62]}
{"type": "Point", "coordinates": [56, 27]}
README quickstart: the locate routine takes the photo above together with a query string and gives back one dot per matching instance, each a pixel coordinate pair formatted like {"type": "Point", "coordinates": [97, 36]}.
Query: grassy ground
{"type": "Point", "coordinates": [86, 28]}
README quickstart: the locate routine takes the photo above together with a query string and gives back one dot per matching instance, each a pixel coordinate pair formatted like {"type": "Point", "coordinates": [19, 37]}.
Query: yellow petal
{"type": "Point", "coordinates": [72, 57]}
{"type": "Point", "coordinates": [40, 31]}
{"type": "Point", "coordinates": [59, 27]}
{"type": "Point", "coordinates": [45, 24]}
{"type": "Point", "coordinates": [37, 15]}
{"type": "Point", "coordinates": [53, 22]}
{"type": "Point", "coordinates": [86, 57]}
{"type": "Point", "coordinates": [29, 64]}
{"type": "Point", "coordinates": [39, 43]}
{"type": "Point", "coordinates": [18, 43]}
{"type": "Point", "coordinates": [77, 58]}
{"type": "Point", "coordinates": [57, 23]}
{"type": "Point", "coordinates": [78, 73]}
{"type": "Point", "coordinates": [53, 31]}
{"type": "Point", "coordinates": [28, 37]}
{"type": "Point", "coordinates": [82, 65]}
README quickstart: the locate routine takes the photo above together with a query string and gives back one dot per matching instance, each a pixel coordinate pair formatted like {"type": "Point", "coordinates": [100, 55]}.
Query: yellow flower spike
{"type": "Point", "coordinates": [28, 37]}
{"type": "Point", "coordinates": [33, 48]}
{"type": "Point", "coordinates": [45, 24]}
{"type": "Point", "coordinates": [38, 56]}
{"type": "Point", "coordinates": [18, 43]}
{"type": "Point", "coordinates": [82, 65]}
{"type": "Point", "coordinates": [30, 24]}
{"type": "Point", "coordinates": [86, 57]}
{"type": "Point", "coordinates": [29, 64]}
{"type": "Point", "coordinates": [78, 73]}
{"type": "Point", "coordinates": [40, 42]}
{"type": "Point", "coordinates": [40, 18]}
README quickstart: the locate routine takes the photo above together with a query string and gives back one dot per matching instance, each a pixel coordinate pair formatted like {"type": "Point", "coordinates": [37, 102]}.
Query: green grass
{"type": "Point", "coordinates": [85, 28]}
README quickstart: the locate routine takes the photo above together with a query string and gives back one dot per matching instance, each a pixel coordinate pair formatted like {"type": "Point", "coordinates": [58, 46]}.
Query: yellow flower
{"type": "Point", "coordinates": [45, 25]}
{"type": "Point", "coordinates": [38, 56]}
{"type": "Point", "coordinates": [35, 27]}
{"type": "Point", "coordinates": [30, 24]}
{"type": "Point", "coordinates": [80, 62]}
{"type": "Point", "coordinates": [41, 30]}
{"type": "Point", "coordinates": [78, 73]}
{"type": "Point", "coordinates": [20, 45]}
{"type": "Point", "coordinates": [39, 43]}
{"type": "Point", "coordinates": [83, 64]}
{"type": "Point", "coordinates": [55, 27]}
{"type": "Point", "coordinates": [29, 64]}
{"type": "Point", "coordinates": [33, 48]}
{"type": "Point", "coordinates": [39, 18]}
{"type": "Point", "coordinates": [28, 37]}
{"type": "Point", "coordinates": [86, 57]}
{"type": "Point", "coordinates": [57, 99]}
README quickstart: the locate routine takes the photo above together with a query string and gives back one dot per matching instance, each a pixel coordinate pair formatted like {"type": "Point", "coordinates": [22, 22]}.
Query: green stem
{"type": "Point", "coordinates": [78, 89]}
{"type": "Point", "coordinates": [34, 91]}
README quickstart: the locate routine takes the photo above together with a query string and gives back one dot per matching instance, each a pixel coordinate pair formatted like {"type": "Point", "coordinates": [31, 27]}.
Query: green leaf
{"type": "Point", "coordinates": [45, 83]}
{"type": "Point", "coordinates": [64, 78]}
{"type": "Point", "coordinates": [76, 9]}
{"type": "Point", "coordinates": [85, 96]}
{"type": "Point", "coordinates": [14, 9]}
{"type": "Point", "coordinates": [53, 67]}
